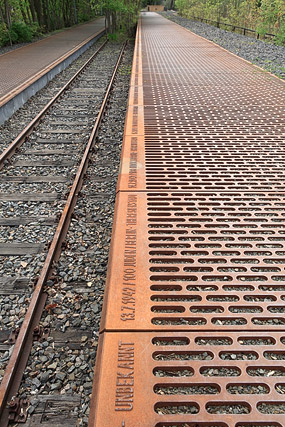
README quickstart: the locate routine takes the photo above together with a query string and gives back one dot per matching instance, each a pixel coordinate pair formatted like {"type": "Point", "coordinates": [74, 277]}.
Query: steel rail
{"type": "Point", "coordinates": [12, 377]}
{"type": "Point", "coordinates": [20, 139]}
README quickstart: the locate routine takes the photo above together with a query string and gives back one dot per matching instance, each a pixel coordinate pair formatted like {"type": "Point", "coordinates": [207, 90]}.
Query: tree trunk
{"type": "Point", "coordinates": [32, 9]}
{"type": "Point", "coordinates": [2, 16]}
{"type": "Point", "coordinates": [7, 13]}
{"type": "Point", "coordinates": [55, 18]}
{"type": "Point", "coordinates": [38, 9]}
{"type": "Point", "coordinates": [108, 21]}
{"type": "Point", "coordinates": [29, 15]}
{"type": "Point", "coordinates": [23, 13]}
{"type": "Point", "coordinates": [114, 22]}
{"type": "Point", "coordinates": [46, 20]}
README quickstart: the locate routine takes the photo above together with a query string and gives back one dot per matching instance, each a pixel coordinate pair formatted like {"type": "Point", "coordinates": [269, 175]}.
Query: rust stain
{"type": "Point", "coordinates": [138, 374]}
{"type": "Point", "coordinates": [196, 261]}
{"type": "Point", "coordinates": [193, 324]}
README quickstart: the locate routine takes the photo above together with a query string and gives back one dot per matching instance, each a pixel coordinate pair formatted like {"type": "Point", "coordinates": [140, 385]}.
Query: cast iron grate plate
{"type": "Point", "coordinates": [210, 95]}
{"type": "Point", "coordinates": [190, 379]}
{"type": "Point", "coordinates": [197, 261]}
{"type": "Point", "coordinates": [193, 326]}
{"type": "Point", "coordinates": [203, 163]}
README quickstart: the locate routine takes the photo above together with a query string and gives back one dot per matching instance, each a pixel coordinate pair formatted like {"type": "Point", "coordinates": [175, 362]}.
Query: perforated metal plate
{"type": "Point", "coordinates": [212, 94]}
{"type": "Point", "coordinates": [188, 129]}
{"type": "Point", "coordinates": [203, 163]}
{"type": "Point", "coordinates": [193, 326]}
{"type": "Point", "coordinates": [218, 380]}
{"type": "Point", "coordinates": [173, 120]}
{"type": "Point", "coordinates": [197, 261]}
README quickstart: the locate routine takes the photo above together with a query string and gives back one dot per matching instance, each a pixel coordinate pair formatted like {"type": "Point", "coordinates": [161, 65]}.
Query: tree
{"type": "Point", "coordinates": [265, 16]}
{"type": "Point", "coordinates": [120, 14]}
{"type": "Point", "coordinates": [40, 16]}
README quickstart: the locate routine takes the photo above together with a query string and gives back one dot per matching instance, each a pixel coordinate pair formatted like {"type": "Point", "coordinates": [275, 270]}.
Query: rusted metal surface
{"type": "Point", "coordinates": [200, 118]}
{"type": "Point", "coordinates": [207, 261]}
{"type": "Point", "coordinates": [143, 377]}
{"type": "Point", "coordinates": [193, 322]}
{"type": "Point", "coordinates": [203, 163]}
{"type": "Point", "coordinates": [17, 362]}
{"type": "Point", "coordinates": [18, 410]}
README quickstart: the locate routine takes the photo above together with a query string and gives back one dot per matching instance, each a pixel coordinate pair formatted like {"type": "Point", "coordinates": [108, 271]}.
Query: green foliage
{"type": "Point", "coordinates": [265, 16]}
{"type": "Point", "coordinates": [261, 28]}
{"type": "Point", "coordinates": [21, 20]}
{"type": "Point", "coordinates": [19, 32]}
{"type": "Point", "coordinates": [7, 36]}
{"type": "Point", "coordinates": [151, 2]}
{"type": "Point", "coordinates": [24, 32]}
{"type": "Point", "coordinates": [183, 7]}
{"type": "Point", "coordinates": [121, 15]}
{"type": "Point", "coordinates": [40, 16]}
{"type": "Point", "coordinates": [113, 36]}
{"type": "Point", "coordinates": [36, 29]}
{"type": "Point", "coordinates": [125, 70]}
{"type": "Point", "coordinates": [110, 5]}
{"type": "Point", "coordinates": [83, 17]}
{"type": "Point", "coordinates": [280, 38]}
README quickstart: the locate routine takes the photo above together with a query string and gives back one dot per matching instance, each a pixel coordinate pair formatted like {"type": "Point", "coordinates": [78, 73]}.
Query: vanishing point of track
{"type": "Point", "coordinates": [193, 326]}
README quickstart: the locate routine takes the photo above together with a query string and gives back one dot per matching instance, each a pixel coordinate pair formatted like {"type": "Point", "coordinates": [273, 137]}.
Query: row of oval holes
{"type": "Point", "coordinates": [215, 298]}
{"type": "Point", "coordinates": [208, 197]}
{"type": "Point", "coordinates": [216, 309]}
{"type": "Point", "coordinates": [222, 321]}
{"type": "Point", "coordinates": [219, 424]}
{"type": "Point", "coordinates": [233, 408]}
{"type": "Point", "coordinates": [218, 340]}
{"type": "Point", "coordinates": [232, 388]}
{"type": "Point", "coordinates": [215, 278]}
{"type": "Point", "coordinates": [224, 355]}
{"type": "Point", "coordinates": [213, 288]}
{"type": "Point", "coordinates": [218, 371]}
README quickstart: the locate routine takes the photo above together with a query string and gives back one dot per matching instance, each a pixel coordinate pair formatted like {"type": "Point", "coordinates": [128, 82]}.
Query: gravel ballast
{"type": "Point", "coordinates": [264, 54]}
{"type": "Point", "coordinates": [31, 207]}
{"type": "Point", "coordinates": [62, 367]}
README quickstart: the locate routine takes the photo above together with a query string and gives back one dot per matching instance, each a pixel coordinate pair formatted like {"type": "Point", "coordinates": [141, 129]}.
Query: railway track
{"type": "Point", "coordinates": [193, 327]}
{"type": "Point", "coordinates": [15, 125]}
{"type": "Point", "coordinates": [38, 197]}
{"type": "Point", "coordinates": [20, 139]}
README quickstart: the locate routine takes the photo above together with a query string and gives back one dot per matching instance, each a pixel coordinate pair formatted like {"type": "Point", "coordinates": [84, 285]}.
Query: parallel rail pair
{"type": "Point", "coordinates": [16, 365]}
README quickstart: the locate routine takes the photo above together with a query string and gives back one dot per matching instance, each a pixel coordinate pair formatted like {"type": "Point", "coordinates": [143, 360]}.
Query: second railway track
{"type": "Point", "coordinates": [33, 194]}
{"type": "Point", "coordinates": [76, 106]}
{"type": "Point", "coordinates": [22, 117]}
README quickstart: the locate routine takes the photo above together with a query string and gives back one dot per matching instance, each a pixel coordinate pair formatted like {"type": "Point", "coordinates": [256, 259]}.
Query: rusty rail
{"type": "Point", "coordinates": [18, 359]}
{"type": "Point", "coordinates": [193, 326]}
{"type": "Point", "coordinates": [20, 139]}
